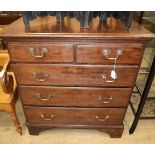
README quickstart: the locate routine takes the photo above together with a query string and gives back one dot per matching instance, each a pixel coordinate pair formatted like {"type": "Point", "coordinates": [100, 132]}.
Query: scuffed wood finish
{"type": "Point", "coordinates": [74, 75]}
{"type": "Point", "coordinates": [74, 96]}
{"type": "Point", "coordinates": [57, 52]}
{"type": "Point", "coordinates": [93, 54]}
{"type": "Point", "coordinates": [75, 116]}
{"type": "Point", "coordinates": [69, 78]}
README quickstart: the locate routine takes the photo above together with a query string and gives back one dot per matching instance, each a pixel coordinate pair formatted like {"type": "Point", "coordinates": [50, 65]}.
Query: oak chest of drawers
{"type": "Point", "coordinates": [74, 78]}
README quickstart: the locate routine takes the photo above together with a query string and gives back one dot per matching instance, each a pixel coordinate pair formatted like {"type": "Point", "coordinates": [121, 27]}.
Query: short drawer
{"type": "Point", "coordinates": [106, 52]}
{"type": "Point", "coordinates": [75, 96]}
{"type": "Point", "coordinates": [74, 75]}
{"type": "Point", "coordinates": [74, 116]}
{"type": "Point", "coordinates": [40, 52]}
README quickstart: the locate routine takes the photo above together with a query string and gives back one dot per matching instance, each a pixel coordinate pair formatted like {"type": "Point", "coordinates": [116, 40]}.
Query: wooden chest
{"type": "Point", "coordinates": [73, 78]}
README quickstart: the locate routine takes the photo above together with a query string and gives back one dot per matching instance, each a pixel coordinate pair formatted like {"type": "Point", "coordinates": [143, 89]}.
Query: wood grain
{"type": "Point", "coordinates": [74, 75]}
{"type": "Point", "coordinates": [93, 53]}
{"type": "Point", "coordinates": [72, 71]}
{"type": "Point", "coordinates": [75, 116]}
{"type": "Point", "coordinates": [56, 52]}
{"type": "Point", "coordinates": [74, 96]}
{"type": "Point", "coordinates": [49, 28]}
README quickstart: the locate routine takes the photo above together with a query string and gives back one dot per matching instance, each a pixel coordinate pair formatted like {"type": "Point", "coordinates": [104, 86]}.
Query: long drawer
{"type": "Point", "coordinates": [40, 52]}
{"type": "Point", "coordinates": [104, 53]}
{"type": "Point", "coordinates": [75, 96]}
{"type": "Point", "coordinates": [74, 75]}
{"type": "Point", "coordinates": [74, 116]}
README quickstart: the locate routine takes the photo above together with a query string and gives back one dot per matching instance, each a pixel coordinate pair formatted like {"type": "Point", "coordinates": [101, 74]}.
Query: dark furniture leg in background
{"type": "Point", "coordinates": [3, 45]}
{"type": "Point", "coordinates": [141, 16]}
{"type": "Point", "coordinates": [144, 97]}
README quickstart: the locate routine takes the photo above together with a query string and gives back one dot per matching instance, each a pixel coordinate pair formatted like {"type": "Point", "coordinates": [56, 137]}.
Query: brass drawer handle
{"type": "Point", "coordinates": [44, 98]}
{"type": "Point", "coordinates": [47, 117]}
{"type": "Point", "coordinates": [42, 52]}
{"type": "Point", "coordinates": [104, 101]}
{"type": "Point", "coordinates": [102, 119]}
{"type": "Point", "coordinates": [40, 78]}
{"type": "Point", "coordinates": [104, 76]}
{"type": "Point", "coordinates": [107, 51]}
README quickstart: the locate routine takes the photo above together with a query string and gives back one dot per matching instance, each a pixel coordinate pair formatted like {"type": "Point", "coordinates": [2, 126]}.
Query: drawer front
{"type": "Point", "coordinates": [75, 116]}
{"type": "Point", "coordinates": [104, 54]}
{"type": "Point", "coordinates": [74, 96]}
{"type": "Point", "coordinates": [74, 75]}
{"type": "Point", "coordinates": [40, 52]}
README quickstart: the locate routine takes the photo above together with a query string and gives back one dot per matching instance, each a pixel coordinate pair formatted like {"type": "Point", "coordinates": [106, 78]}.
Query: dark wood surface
{"type": "Point", "coordinates": [9, 17]}
{"type": "Point", "coordinates": [56, 52]}
{"type": "Point", "coordinates": [93, 53]}
{"type": "Point", "coordinates": [114, 131]}
{"type": "Point", "coordinates": [72, 71]}
{"type": "Point", "coordinates": [73, 75]}
{"type": "Point", "coordinates": [70, 28]}
{"type": "Point", "coordinates": [74, 96]}
{"type": "Point", "coordinates": [84, 53]}
{"type": "Point", "coordinates": [75, 116]}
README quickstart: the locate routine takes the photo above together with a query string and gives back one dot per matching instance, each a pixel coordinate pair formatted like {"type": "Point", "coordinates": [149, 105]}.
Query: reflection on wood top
{"type": "Point", "coordinates": [70, 27]}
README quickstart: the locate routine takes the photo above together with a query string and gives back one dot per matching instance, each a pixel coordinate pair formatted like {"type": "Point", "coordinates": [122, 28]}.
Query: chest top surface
{"type": "Point", "coordinates": [48, 27]}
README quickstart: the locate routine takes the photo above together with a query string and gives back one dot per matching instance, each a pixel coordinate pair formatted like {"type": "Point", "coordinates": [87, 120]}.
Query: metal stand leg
{"type": "Point", "coordinates": [144, 97]}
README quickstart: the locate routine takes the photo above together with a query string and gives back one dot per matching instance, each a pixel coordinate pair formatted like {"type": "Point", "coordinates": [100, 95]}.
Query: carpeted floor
{"type": "Point", "coordinates": [143, 134]}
